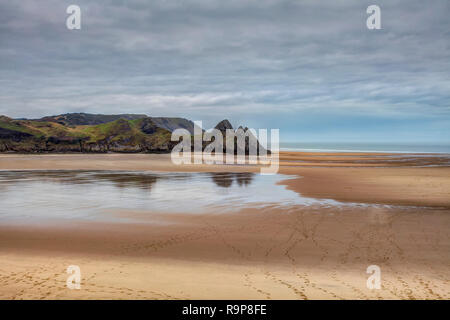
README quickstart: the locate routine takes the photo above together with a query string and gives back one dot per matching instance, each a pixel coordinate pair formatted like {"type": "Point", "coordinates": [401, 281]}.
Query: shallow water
{"type": "Point", "coordinates": [98, 195]}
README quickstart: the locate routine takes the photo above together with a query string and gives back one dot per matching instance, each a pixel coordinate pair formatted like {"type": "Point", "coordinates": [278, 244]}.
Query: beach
{"type": "Point", "coordinates": [382, 209]}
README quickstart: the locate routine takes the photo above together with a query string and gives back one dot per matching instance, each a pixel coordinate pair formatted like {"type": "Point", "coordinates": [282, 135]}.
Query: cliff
{"type": "Point", "coordinates": [121, 135]}
{"type": "Point", "coordinates": [97, 133]}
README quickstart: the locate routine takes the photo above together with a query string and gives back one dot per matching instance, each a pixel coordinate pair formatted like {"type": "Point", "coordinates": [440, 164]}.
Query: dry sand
{"type": "Point", "coordinates": [295, 252]}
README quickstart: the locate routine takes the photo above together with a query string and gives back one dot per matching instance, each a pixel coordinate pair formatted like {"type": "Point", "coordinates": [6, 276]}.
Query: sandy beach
{"type": "Point", "coordinates": [395, 214]}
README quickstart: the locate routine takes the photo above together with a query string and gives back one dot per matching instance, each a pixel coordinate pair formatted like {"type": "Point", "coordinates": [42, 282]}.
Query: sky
{"type": "Point", "coordinates": [310, 68]}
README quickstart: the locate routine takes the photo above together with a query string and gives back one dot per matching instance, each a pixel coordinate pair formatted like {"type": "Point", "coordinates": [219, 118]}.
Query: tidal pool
{"type": "Point", "coordinates": [31, 195]}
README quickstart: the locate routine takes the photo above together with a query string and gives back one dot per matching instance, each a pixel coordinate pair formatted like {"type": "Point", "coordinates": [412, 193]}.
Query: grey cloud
{"type": "Point", "coordinates": [207, 59]}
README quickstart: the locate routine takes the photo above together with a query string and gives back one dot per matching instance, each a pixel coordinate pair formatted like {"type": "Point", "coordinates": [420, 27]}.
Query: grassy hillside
{"type": "Point", "coordinates": [77, 119]}
{"type": "Point", "coordinates": [138, 135]}
{"type": "Point", "coordinates": [75, 133]}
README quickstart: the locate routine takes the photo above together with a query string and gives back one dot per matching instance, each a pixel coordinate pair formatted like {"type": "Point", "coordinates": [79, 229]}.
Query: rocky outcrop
{"type": "Point", "coordinates": [225, 125]}
{"type": "Point", "coordinates": [148, 126]}
{"type": "Point", "coordinates": [70, 133]}
{"type": "Point", "coordinates": [13, 135]}
{"type": "Point", "coordinates": [121, 135]}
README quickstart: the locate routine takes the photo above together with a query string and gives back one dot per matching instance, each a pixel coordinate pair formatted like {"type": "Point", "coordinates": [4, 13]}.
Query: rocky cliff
{"type": "Point", "coordinates": [96, 133]}
{"type": "Point", "coordinates": [121, 135]}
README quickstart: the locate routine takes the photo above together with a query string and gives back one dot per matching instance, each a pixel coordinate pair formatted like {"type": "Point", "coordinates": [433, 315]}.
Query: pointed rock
{"type": "Point", "coordinates": [224, 125]}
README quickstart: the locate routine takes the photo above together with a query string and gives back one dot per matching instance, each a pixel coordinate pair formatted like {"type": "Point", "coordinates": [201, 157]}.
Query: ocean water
{"type": "Point", "coordinates": [364, 147]}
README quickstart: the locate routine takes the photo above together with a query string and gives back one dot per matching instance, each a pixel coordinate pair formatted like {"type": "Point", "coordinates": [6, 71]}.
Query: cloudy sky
{"type": "Point", "coordinates": [310, 68]}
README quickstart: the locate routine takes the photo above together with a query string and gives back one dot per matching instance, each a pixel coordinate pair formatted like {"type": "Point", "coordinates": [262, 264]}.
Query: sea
{"type": "Point", "coordinates": [364, 147]}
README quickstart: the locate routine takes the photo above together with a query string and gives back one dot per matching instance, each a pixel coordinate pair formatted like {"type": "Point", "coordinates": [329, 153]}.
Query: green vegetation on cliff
{"type": "Point", "coordinates": [84, 132]}
{"type": "Point", "coordinates": [121, 135]}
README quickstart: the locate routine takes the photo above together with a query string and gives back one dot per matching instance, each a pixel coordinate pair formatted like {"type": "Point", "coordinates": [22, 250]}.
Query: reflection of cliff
{"type": "Point", "coordinates": [225, 179]}
{"type": "Point", "coordinates": [244, 178]}
{"type": "Point", "coordinates": [125, 180]}
{"type": "Point", "coordinates": [119, 179]}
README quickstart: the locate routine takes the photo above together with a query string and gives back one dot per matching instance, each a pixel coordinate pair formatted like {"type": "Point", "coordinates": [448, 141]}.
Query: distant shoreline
{"type": "Point", "coordinates": [301, 150]}
{"type": "Point", "coordinates": [358, 151]}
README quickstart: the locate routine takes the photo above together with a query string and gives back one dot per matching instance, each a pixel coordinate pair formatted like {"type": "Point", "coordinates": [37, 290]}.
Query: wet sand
{"type": "Point", "coordinates": [388, 185]}
{"type": "Point", "coordinates": [296, 252]}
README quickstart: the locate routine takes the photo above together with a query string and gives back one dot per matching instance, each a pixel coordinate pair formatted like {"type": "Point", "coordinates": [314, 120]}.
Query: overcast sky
{"type": "Point", "coordinates": [310, 68]}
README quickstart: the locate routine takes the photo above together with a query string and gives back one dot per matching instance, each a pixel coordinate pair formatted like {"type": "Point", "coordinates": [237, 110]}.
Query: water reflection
{"type": "Point", "coordinates": [99, 194]}
{"type": "Point", "coordinates": [225, 179]}
{"type": "Point", "coordinates": [139, 180]}
{"type": "Point", "coordinates": [118, 179]}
